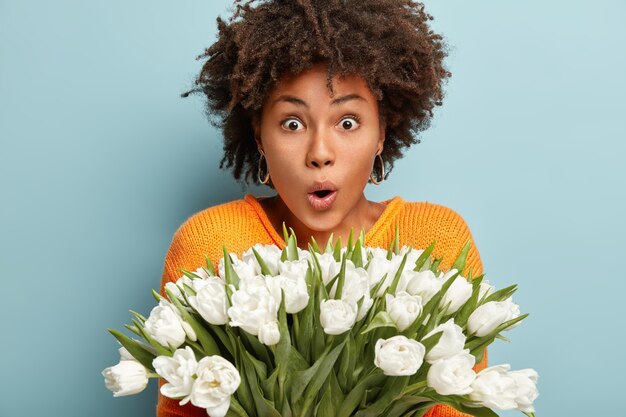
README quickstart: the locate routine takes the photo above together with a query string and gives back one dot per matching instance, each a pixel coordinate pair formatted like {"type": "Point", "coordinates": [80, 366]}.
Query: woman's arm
{"type": "Point", "coordinates": [460, 234]}
{"type": "Point", "coordinates": [184, 252]}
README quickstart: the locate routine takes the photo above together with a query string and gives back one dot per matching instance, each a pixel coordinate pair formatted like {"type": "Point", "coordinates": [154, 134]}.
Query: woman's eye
{"type": "Point", "coordinates": [292, 124]}
{"type": "Point", "coordinates": [349, 123]}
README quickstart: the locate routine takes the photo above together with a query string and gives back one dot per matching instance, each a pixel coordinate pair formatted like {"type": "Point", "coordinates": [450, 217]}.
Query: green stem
{"type": "Point", "coordinates": [151, 375]}
{"type": "Point", "coordinates": [414, 387]}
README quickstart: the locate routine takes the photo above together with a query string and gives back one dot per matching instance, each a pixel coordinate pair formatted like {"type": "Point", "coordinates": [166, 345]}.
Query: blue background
{"type": "Point", "coordinates": [100, 161]}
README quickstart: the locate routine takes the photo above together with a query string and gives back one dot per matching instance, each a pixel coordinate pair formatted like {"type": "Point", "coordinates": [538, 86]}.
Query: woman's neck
{"type": "Point", "coordinates": [363, 216]}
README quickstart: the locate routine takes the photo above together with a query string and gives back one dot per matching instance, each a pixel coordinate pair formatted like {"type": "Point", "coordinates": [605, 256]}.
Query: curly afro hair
{"type": "Point", "coordinates": [387, 42]}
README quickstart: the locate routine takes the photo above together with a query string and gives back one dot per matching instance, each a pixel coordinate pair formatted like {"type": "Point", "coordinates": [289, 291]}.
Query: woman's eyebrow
{"type": "Point", "coordinates": [347, 97]}
{"type": "Point", "coordinates": [290, 99]}
{"type": "Point", "coordinates": [299, 102]}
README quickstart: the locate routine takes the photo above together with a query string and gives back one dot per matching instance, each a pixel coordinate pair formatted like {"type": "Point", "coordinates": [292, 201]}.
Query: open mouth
{"type": "Point", "coordinates": [322, 199]}
{"type": "Point", "coordinates": [322, 193]}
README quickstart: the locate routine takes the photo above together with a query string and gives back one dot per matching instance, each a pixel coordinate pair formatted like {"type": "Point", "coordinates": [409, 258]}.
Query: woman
{"type": "Point", "coordinates": [315, 99]}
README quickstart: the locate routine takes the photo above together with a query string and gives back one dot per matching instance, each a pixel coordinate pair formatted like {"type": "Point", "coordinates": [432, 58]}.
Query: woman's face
{"type": "Point", "coordinates": [320, 149]}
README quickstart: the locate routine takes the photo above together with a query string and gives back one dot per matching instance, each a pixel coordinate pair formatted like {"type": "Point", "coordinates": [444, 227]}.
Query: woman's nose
{"type": "Point", "coordinates": [320, 152]}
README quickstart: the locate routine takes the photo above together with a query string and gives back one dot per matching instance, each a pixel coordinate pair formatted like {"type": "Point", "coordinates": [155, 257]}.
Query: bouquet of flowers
{"type": "Point", "coordinates": [352, 331]}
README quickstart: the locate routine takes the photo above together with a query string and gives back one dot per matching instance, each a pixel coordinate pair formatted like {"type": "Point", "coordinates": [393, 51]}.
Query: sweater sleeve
{"type": "Point", "coordinates": [183, 253]}
{"type": "Point", "coordinates": [460, 234]}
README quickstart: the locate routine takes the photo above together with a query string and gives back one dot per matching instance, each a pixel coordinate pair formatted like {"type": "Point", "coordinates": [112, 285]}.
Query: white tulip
{"type": "Point", "coordinates": [126, 378]}
{"type": "Point", "coordinates": [202, 273]}
{"type": "Point", "coordinates": [425, 284]}
{"type": "Point", "coordinates": [487, 317]}
{"type": "Point", "coordinates": [411, 258]}
{"type": "Point", "coordinates": [252, 305]}
{"type": "Point", "coordinates": [167, 326]}
{"type": "Point", "coordinates": [270, 255]}
{"type": "Point", "coordinates": [485, 289]}
{"type": "Point", "coordinates": [337, 316]}
{"type": "Point", "coordinates": [329, 267]}
{"type": "Point", "coordinates": [526, 392]}
{"type": "Point", "coordinates": [269, 334]}
{"type": "Point", "coordinates": [398, 355]}
{"type": "Point", "coordinates": [243, 269]}
{"type": "Point", "coordinates": [178, 371]}
{"type": "Point", "coordinates": [376, 270]}
{"type": "Point", "coordinates": [454, 375]}
{"type": "Point", "coordinates": [495, 388]}
{"type": "Point", "coordinates": [355, 287]}
{"type": "Point", "coordinates": [125, 354]}
{"type": "Point", "coordinates": [294, 268]}
{"type": "Point", "coordinates": [175, 288]}
{"type": "Point", "coordinates": [217, 379]}
{"type": "Point", "coordinates": [211, 302]}
{"type": "Point", "coordinates": [403, 308]}
{"type": "Point", "coordinates": [451, 343]}
{"type": "Point", "coordinates": [294, 287]}
{"type": "Point", "coordinates": [458, 293]}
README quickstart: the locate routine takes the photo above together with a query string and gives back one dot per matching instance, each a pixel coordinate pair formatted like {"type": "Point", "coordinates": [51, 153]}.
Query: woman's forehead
{"type": "Point", "coordinates": [314, 82]}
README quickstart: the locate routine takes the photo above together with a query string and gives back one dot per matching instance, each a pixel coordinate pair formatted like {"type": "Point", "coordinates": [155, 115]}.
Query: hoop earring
{"type": "Point", "coordinates": [267, 175]}
{"type": "Point", "coordinates": [381, 178]}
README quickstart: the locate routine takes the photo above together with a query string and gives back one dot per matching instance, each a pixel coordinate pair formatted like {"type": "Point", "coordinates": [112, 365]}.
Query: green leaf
{"type": "Point", "coordinates": [400, 406]}
{"type": "Point", "coordinates": [292, 246]}
{"type": "Point", "coordinates": [329, 244]}
{"type": "Point", "coordinates": [189, 274]}
{"type": "Point", "coordinates": [263, 406]}
{"type": "Point", "coordinates": [435, 265]}
{"type": "Point", "coordinates": [314, 245]}
{"type": "Point", "coordinates": [459, 263]}
{"type": "Point", "coordinates": [396, 240]}
{"type": "Point", "coordinates": [209, 266]}
{"type": "Point", "coordinates": [236, 410]}
{"type": "Point", "coordinates": [264, 268]}
{"type": "Point", "coordinates": [394, 284]}
{"type": "Point", "coordinates": [205, 339]}
{"type": "Point", "coordinates": [423, 257]}
{"type": "Point", "coordinates": [141, 352]}
{"type": "Point", "coordinates": [431, 341]}
{"type": "Point", "coordinates": [134, 329]}
{"type": "Point", "coordinates": [269, 386]}
{"type": "Point", "coordinates": [341, 280]}
{"type": "Point", "coordinates": [159, 348]}
{"type": "Point", "coordinates": [502, 294]}
{"type": "Point", "coordinates": [357, 258]}
{"type": "Point", "coordinates": [224, 339]}
{"type": "Point", "coordinates": [350, 240]}
{"type": "Point", "coordinates": [376, 287]}
{"type": "Point", "coordinates": [285, 234]}
{"type": "Point", "coordinates": [244, 393]}
{"type": "Point", "coordinates": [139, 317]}
{"type": "Point", "coordinates": [337, 250]}
{"type": "Point", "coordinates": [157, 296]}
{"type": "Point", "coordinates": [353, 399]}
{"type": "Point", "coordinates": [347, 364]}
{"type": "Point", "coordinates": [253, 345]}
{"type": "Point", "coordinates": [230, 276]}
{"type": "Point", "coordinates": [331, 399]}
{"type": "Point", "coordinates": [391, 390]}
{"type": "Point", "coordinates": [381, 319]}
{"type": "Point", "coordinates": [317, 378]}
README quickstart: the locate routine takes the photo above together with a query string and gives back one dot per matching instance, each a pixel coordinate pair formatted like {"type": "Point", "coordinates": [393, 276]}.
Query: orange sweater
{"type": "Point", "coordinates": [241, 224]}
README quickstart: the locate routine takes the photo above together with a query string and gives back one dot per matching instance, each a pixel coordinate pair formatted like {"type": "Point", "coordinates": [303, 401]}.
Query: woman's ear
{"type": "Point", "coordinates": [381, 139]}
{"type": "Point", "coordinates": [256, 129]}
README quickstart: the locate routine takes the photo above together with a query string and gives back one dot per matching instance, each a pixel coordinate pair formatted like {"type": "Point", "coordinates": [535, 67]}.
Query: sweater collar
{"type": "Point", "coordinates": [385, 221]}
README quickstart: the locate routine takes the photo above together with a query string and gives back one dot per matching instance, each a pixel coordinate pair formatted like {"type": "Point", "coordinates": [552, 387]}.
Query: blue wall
{"type": "Point", "coordinates": [100, 161]}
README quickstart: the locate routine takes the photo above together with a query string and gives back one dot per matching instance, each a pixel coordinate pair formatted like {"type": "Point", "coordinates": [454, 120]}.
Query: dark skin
{"type": "Point", "coordinates": [308, 135]}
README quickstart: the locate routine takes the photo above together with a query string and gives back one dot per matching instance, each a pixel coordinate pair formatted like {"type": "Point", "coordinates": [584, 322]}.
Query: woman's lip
{"type": "Point", "coordinates": [322, 203]}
